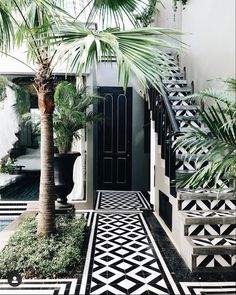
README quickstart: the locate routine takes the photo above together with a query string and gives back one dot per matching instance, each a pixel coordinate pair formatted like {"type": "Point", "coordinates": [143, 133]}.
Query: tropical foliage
{"type": "Point", "coordinates": [215, 146]}
{"type": "Point", "coordinates": [71, 114]}
{"type": "Point", "coordinates": [146, 17]}
{"type": "Point", "coordinates": [51, 35]}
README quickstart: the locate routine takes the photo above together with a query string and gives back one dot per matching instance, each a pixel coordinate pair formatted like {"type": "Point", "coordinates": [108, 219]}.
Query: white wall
{"type": "Point", "coordinates": [212, 42]}
{"type": "Point", "coordinates": [210, 32]}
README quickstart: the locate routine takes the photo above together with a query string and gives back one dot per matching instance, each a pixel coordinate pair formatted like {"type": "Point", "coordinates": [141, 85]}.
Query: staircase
{"type": "Point", "coordinates": [205, 234]}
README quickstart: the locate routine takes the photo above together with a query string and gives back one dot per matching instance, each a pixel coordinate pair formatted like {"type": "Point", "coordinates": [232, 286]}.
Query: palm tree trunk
{"type": "Point", "coordinates": [45, 87]}
{"type": "Point", "coordinates": [46, 221]}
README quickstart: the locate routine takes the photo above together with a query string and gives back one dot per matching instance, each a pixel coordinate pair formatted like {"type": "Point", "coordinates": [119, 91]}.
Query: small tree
{"type": "Point", "coordinates": [41, 24]}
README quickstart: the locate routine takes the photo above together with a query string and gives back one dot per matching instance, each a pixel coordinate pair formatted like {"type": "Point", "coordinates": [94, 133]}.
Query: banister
{"type": "Point", "coordinates": [170, 113]}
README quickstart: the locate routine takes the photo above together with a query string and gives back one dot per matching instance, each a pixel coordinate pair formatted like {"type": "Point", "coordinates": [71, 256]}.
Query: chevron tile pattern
{"type": "Point", "coordinates": [208, 288]}
{"type": "Point", "coordinates": [214, 241]}
{"type": "Point", "coordinates": [206, 261]}
{"type": "Point", "coordinates": [207, 204]}
{"type": "Point", "coordinates": [121, 201]}
{"type": "Point", "coordinates": [226, 213]}
{"type": "Point", "coordinates": [210, 229]}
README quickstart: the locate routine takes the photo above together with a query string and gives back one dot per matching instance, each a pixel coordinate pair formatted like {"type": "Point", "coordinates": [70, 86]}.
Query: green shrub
{"type": "Point", "coordinates": [41, 257]}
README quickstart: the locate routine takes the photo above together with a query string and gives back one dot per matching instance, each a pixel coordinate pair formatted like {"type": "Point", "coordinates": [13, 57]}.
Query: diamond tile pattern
{"type": "Point", "coordinates": [121, 201]}
{"type": "Point", "coordinates": [125, 260]}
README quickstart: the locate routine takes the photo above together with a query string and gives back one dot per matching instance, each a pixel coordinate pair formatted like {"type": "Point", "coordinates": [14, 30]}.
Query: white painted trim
{"type": "Point", "coordinates": [88, 257]}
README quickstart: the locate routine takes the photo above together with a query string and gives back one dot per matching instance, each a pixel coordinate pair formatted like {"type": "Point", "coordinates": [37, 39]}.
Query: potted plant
{"type": "Point", "coordinates": [71, 114]}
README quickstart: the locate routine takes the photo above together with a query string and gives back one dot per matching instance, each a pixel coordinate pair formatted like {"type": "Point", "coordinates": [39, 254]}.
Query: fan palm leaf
{"type": "Point", "coordinates": [138, 51]}
{"type": "Point", "coordinates": [216, 148]}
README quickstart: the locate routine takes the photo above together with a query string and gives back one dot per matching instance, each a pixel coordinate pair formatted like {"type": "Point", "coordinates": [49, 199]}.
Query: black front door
{"type": "Point", "coordinates": [114, 139]}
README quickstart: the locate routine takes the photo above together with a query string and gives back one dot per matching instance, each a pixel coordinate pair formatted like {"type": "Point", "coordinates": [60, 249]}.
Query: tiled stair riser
{"type": "Point", "coordinates": [210, 229]}
{"type": "Point", "coordinates": [219, 261]}
{"type": "Point", "coordinates": [207, 205]}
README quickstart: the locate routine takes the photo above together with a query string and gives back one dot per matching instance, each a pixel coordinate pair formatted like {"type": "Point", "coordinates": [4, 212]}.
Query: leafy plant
{"type": "Point", "coordinates": [52, 256]}
{"type": "Point", "coordinates": [52, 36]}
{"type": "Point", "coordinates": [146, 17]}
{"type": "Point", "coordinates": [71, 113]}
{"type": "Point", "coordinates": [3, 88]}
{"type": "Point", "coordinates": [215, 148]}
{"type": "Point", "coordinates": [8, 166]}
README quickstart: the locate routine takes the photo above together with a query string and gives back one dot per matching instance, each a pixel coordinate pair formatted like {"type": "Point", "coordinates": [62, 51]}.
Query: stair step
{"type": "Point", "coordinates": [206, 204]}
{"type": "Point", "coordinates": [175, 82]}
{"type": "Point", "coordinates": [186, 118]}
{"type": "Point", "coordinates": [188, 157]}
{"type": "Point", "coordinates": [213, 245]}
{"type": "Point", "coordinates": [189, 129]}
{"type": "Point", "coordinates": [201, 194]}
{"type": "Point", "coordinates": [176, 98]}
{"type": "Point", "coordinates": [209, 217]}
{"type": "Point", "coordinates": [182, 173]}
{"type": "Point", "coordinates": [176, 75]}
{"type": "Point", "coordinates": [179, 89]}
{"type": "Point", "coordinates": [215, 263]}
{"type": "Point", "coordinates": [184, 107]}
{"type": "Point", "coordinates": [215, 229]}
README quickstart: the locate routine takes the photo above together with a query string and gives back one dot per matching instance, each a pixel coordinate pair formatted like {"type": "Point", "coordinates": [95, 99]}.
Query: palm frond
{"type": "Point", "coordinates": [6, 26]}
{"type": "Point", "coordinates": [110, 11]}
{"type": "Point", "coordinates": [216, 148]}
{"type": "Point", "coordinates": [138, 51]}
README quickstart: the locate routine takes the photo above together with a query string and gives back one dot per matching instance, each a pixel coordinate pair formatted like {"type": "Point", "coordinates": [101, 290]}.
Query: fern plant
{"type": "Point", "coordinates": [71, 114]}
{"type": "Point", "coordinates": [215, 149]}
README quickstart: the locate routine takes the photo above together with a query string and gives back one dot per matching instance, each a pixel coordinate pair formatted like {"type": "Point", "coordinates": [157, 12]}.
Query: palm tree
{"type": "Point", "coordinates": [215, 146]}
{"type": "Point", "coordinates": [43, 25]}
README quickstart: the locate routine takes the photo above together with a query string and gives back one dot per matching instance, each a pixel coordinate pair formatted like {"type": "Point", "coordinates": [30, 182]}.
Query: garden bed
{"type": "Point", "coordinates": [56, 256]}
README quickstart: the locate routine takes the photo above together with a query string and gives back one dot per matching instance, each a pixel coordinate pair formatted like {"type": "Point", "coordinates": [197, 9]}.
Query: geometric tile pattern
{"type": "Point", "coordinates": [12, 208]}
{"type": "Point", "coordinates": [124, 259]}
{"type": "Point", "coordinates": [208, 288]}
{"type": "Point", "coordinates": [41, 287]}
{"type": "Point", "coordinates": [216, 260]}
{"type": "Point", "coordinates": [210, 229]}
{"type": "Point", "coordinates": [207, 204]}
{"type": "Point", "coordinates": [214, 241]}
{"type": "Point", "coordinates": [229, 213]}
{"type": "Point", "coordinates": [121, 201]}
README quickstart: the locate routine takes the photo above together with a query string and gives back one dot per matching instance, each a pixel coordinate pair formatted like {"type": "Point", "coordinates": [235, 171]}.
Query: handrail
{"type": "Point", "coordinates": [170, 113]}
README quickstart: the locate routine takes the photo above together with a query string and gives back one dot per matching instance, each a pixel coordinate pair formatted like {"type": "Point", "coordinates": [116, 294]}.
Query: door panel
{"type": "Point", "coordinates": [114, 139]}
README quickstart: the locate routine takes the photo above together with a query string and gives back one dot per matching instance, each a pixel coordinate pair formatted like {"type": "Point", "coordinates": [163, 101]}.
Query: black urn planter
{"type": "Point", "coordinates": [63, 176]}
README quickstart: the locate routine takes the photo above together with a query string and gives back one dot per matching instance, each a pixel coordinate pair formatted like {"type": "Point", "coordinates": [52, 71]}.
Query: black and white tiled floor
{"type": "Point", "coordinates": [121, 201]}
{"type": "Point", "coordinates": [125, 259]}
{"type": "Point", "coordinates": [41, 287]}
{"type": "Point", "coordinates": [127, 253]}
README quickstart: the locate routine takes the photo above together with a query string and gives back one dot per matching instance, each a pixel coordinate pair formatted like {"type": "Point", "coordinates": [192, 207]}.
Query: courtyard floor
{"type": "Point", "coordinates": [127, 252]}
